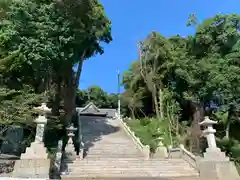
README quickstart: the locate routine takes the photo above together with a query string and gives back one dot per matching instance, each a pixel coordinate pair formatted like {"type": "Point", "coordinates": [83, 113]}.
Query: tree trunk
{"type": "Point", "coordinates": [132, 112]}
{"type": "Point", "coordinates": [71, 85]}
{"type": "Point", "coordinates": [227, 130]}
{"type": "Point", "coordinates": [57, 97]}
{"type": "Point", "coordinates": [68, 95]}
{"type": "Point", "coordinates": [155, 100]}
{"type": "Point", "coordinates": [195, 129]}
{"type": "Point", "coordinates": [161, 106]}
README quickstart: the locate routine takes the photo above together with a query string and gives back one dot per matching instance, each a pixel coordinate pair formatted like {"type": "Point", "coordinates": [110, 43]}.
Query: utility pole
{"type": "Point", "coordinates": [119, 102]}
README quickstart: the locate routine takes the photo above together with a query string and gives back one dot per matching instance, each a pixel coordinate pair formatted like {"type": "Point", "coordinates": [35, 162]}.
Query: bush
{"type": "Point", "coordinates": [146, 130]}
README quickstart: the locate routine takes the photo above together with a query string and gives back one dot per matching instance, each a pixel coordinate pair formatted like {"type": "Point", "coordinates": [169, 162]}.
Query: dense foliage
{"type": "Point", "coordinates": [40, 43]}
{"type": "Point", "coordinates": [98, 96]}
{"type": "Point", "coordinates": [172, 85]}
{"type": "Point", "coordinates": [179, 80]}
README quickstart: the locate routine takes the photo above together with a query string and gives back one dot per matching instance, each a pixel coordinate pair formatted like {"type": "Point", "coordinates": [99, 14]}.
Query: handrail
{"type": "Point", "coordinates": [183, 153]}
{"type": "Point", "coordinates": [136, 140]}
{"type": "Point", "coordinates": [188, 153]}
{"type": "Point", "coordinates": [189, 157]}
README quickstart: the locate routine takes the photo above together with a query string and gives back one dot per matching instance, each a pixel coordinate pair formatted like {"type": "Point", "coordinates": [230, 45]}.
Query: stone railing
{"type": "Point", "coordinates": [189, 157]}
{"type": "Point", "coordinates": [144, 148]}
{"type": "Point", "coordinates": [182, 152]}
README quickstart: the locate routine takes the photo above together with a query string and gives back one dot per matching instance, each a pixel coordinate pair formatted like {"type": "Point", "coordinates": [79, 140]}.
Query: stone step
{"type": "Point", "coordinates": [72, 177]}
{"type": "Point", "coordinates": [132, 159]}
{"type": "Point", "coordinates": [104, 166]}
{"type": "Point", "coordinates": [117, 154]}
{"type": "Point", "coordinates": [131, 170]}
{"type": "Point", "coordinates": [120, 164]}
{"type": "Point", "coordinates": [114, 148]}
{"type": "Point", "coordinates": [130, 146]}
{"type": "Point", "coordinates": [132, 174]}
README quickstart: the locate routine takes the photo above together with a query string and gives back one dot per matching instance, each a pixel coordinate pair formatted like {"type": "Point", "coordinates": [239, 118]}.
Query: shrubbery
{"type": "Point", "coordinates": [146, 129]}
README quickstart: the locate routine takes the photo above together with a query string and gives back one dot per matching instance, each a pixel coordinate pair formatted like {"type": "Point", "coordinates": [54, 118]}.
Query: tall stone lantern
{"type": "Point", "coordinates": [34, 163]}
{"type": "Point", "coordinates": [215, 164]}
{"type": "Point", "coordinates": [37, 149]}
{"type": "Point", "coordinates": [212, 151]}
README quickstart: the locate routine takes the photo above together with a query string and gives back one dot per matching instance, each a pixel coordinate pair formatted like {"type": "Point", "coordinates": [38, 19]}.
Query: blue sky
{"type": "Point", "coordinates": [133, 20]}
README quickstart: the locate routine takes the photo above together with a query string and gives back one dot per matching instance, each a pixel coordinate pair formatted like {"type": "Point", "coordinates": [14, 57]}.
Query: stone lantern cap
{"type": "Point", "coordinates": [41, 120]}
{"type": "Point", "coordinates": [207, 122]}
{"type": "Point", "coordinates": [71, 130]}
{"type": "Point", "coordinates": [43, 108]}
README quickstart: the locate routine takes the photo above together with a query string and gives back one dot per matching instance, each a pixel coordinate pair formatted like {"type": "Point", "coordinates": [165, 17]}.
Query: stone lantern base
{"type": "Point", "coordinates": [34, 163]}
{"type": "Point", "coordinates": [216, 166]}
{"type": "Point", "coordinates": [35, 151]}
{"type": "Point", "coordinates": [215, 154]}
{"type": "Point", "coordinates": [161, 153]}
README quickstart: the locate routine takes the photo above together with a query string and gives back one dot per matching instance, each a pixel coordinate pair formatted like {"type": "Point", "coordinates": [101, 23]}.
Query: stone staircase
{"type": "Point", "coordinates": [113, 155]}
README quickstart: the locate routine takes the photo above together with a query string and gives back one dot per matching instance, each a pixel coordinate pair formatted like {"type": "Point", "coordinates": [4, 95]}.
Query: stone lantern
{"type": "Point", "coordinates": [214, 164]}
{"type": "Point", "coordinates": [209, 132]}
{"type": "Point", "coordinates": [212, 152]}
{"type": "Point", "coordinates": [36, 153]}
{"type": "Point", "coordinates": [70, 149]}
{"type": "Point", "coordinates": [161, 151]}
{"type": "Point", "coordinates": [41, 121]}
{"type": "Point", "coordinates": [159, 137]}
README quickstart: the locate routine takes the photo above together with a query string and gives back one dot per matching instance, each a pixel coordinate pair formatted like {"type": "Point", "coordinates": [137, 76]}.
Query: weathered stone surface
{"type": "Point", "coordinates": [31, 168]}
{"type": "Point", "coordinates": [35, 151]}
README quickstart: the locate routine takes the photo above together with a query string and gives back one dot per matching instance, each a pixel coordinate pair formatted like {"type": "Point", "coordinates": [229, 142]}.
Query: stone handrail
{"type": "Point", "coordinates": [144, 148]}
{"type": "Point", "coordinates": [186, 155]}
{"type": "Point", "coordinates": [189, 157]}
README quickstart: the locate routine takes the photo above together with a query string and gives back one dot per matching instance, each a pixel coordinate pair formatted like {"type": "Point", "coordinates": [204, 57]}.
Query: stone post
{"type": "Point", "coordinates": [215, 165]}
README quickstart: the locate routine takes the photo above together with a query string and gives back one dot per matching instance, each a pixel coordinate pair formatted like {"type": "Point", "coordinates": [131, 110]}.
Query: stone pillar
{"type": "Point", "coordinates": [161, 151]}
{"type": "Point", "coordinates": [34, 163]}
{"type": "Point", "coordinates": [215, 165]}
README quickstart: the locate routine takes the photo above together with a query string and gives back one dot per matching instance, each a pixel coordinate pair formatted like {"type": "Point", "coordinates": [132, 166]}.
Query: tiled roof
{"type": "Point", "coordinates": [91, 108]}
